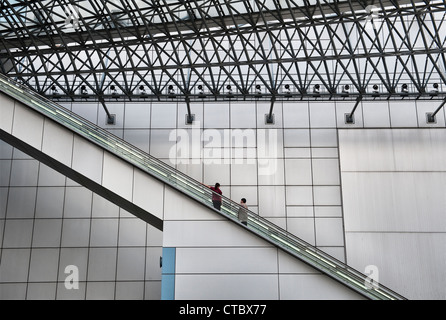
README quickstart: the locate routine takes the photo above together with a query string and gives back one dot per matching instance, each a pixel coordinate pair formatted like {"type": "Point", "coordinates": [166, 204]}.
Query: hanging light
{"type": "Point", "coordinates": [171, 92]}
{"type": "Point", "coordinates": [316, 90]}
{"type": "Point", "coordinates": [287, 91]}
{"type": "Point", "coordinates": [142, 91]}
{"type": "Point", "coordinates": [201, 91]}
{"type": "Point", "coordinates": [229, 91]}
{"type": "Point", "coordinates": [345, 90]}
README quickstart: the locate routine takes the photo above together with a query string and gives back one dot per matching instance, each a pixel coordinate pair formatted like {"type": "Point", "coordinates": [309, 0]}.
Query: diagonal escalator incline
{"type": "Point", "coordinates": [298, 248]}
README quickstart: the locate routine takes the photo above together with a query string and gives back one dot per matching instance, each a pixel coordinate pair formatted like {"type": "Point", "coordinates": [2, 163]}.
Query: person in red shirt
{"type": "Point", "coordinates": [216, 195]}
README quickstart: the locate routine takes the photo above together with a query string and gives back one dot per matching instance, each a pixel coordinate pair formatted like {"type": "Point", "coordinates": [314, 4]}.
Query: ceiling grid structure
{"type": "Point", "coordinates": [164, 50]}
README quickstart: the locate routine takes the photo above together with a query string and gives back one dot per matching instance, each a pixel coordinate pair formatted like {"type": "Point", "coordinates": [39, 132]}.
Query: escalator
{"type": "Point", "coordinates": [41, 117]}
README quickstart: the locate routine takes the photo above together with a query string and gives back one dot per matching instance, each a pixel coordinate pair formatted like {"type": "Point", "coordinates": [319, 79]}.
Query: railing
{"type": "Point", "coordinates": [196, 190]}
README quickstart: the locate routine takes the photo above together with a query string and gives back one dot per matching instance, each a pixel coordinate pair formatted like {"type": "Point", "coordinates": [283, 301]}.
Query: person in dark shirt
{"type": "Point", "coordinates": [216, 195]}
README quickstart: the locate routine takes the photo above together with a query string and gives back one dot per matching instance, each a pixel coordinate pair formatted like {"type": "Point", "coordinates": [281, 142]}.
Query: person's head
{"type": "Point", "coordinates": [243, 200]}
{"type": "Point", "coordinates": [217, 185]}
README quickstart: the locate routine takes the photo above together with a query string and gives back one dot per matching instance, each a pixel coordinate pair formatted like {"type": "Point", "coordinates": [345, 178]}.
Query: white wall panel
{"type": "Point", "coordinates": [41, 291]}
{"type": "Point", "coordinates": [46, 233]}
{"type": "Point", "coordinates": [327, 195]}
{"type": "Point", "coordinates": [5, 150]}
{"type": "Point", "coordinates": [329, 231]}
{"type": "Point", "coordinates": [18, 233]}
{"type": "Point", "coordinates": [313, 287]}
{"type": "Point", "coordinates": [137, 116]}
{"type": "Point", "coordinates": [230, 287]}
{"type": "Point", "coordinates": [393, 195]}
{"type": "Point", "coordinates": [43, 265]}
{"type": "Point", "coordinates": [77, 202]}
{"type": "Point", "coordinates": [395, 201]}
{"type": "Point", "coordinates": [24, 173]}
{"type": "Point", "coordinates": [291, 265]}
{"type": "Point", "coordinates": [299, 211]}
{"type": "Point", "coordinates": [376, 114]}
{"type": "Point", "coordinates": [88, 111]}
{"type": "Point", "coordinates": [366, 150]}
{"type": "Point", "coordinates": [153, 269]}
{"type": "Point", "coordinates": [73, 257]}
{"type": "Point", "coordinates": [15, 263]}
{"type": "Point", "coordinates": [164, 115]}
{"type": "Point", "coordinates": [271, 172]}
{"type": "Point", "coordinates": [148, 193]}
{"type": "Point", "coordinates": [21, 202]}
{"type": "Point", "coordinates": [57, 143]}
{"type": "Point", "coordinates": [403, 114]}
{"type": "Point", "coordinates": [302, 228]}
{"type": "Point", "coordinates": [162, 142]}
{"type": "Point", "coordinates": [393, 150]}
{"type": "Point", "coordinates": [49, 177]}
{"type": "Point", "coordinates": [102, 264]}
{"type": "Point", "coordinates": [270, 143]}
{"type": "Point", "coordinates": [216, 115]}
{"type": "Point", "coordinates": [87, 159]}
{"type": "Point", "coordinates": [326, 172]}
{"type": "Point", "coordinates": [226, 260]}
{"type": "Point", "coordinates": [412, 264]}
{"type": "Point", "coordinates": [102, 208]}
{"type": "Point", "coordinates": [208, 234]}
{"type": "Point", "coordinates": [327, 211]}
{"type": "Point", "coordinates": [129, 290]}
{"type": "Point", "coordinates": [104, 233]}
{"type": "Point", "coordinates": [6, 113]}
{"type": "Point", "coordinates": [100, 291]}
{"type": "Point", "coordinates": [3, 201]}
{"type": "Point", "coordinates": [244, 174]}
{"type": "Point", "coordinates": [324, 153]}
{"type": "Point", "coordinates": [75, 233]}
{"type": "Point", "coordinates": [296, 138]}
{"type": "Point", "coordinates": [322, 115]}
{"type": "Point", "coordinates": [298, 172]}
{"type": "Point", "coordinates": [140, 138]}
{"type": "Point", "coordinates": [247, 192]}
{"type": "Point", "coordinates": [216, 172]}
{"type": "Point", "coordinates": [5, 172]}
{"type": "Point", "coordinates": [323, 138]}
{"type": "Point", "coordinates": [17, 154]}
{"type": "Point", "coordinates": [299, 195]}
{"type": "Point", "coordinates": [63, 294]}
{"type": "Point", "coordinates": [130, 265]}
{"type": "Point", "coordinates": [271, 201]}
{"type": "Point", "coordinates": [117, 176]}
{"type": "Point", "coordinates": [295, 115]}
{"type": "Point", "coordinates": [177, 207]}
{"type": "Point", "coordinates": [195, 171]}
{"type": "Point", "coordinates": [243, 115]}
{"type": "Point", "coordinates": [28, 126]}
{"type": "Point", "coordinates": [297, 152]}
{"type": "Point", "coordinates": [132, 232]}
{"type": "Point", "coordinates": [13, 291]}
